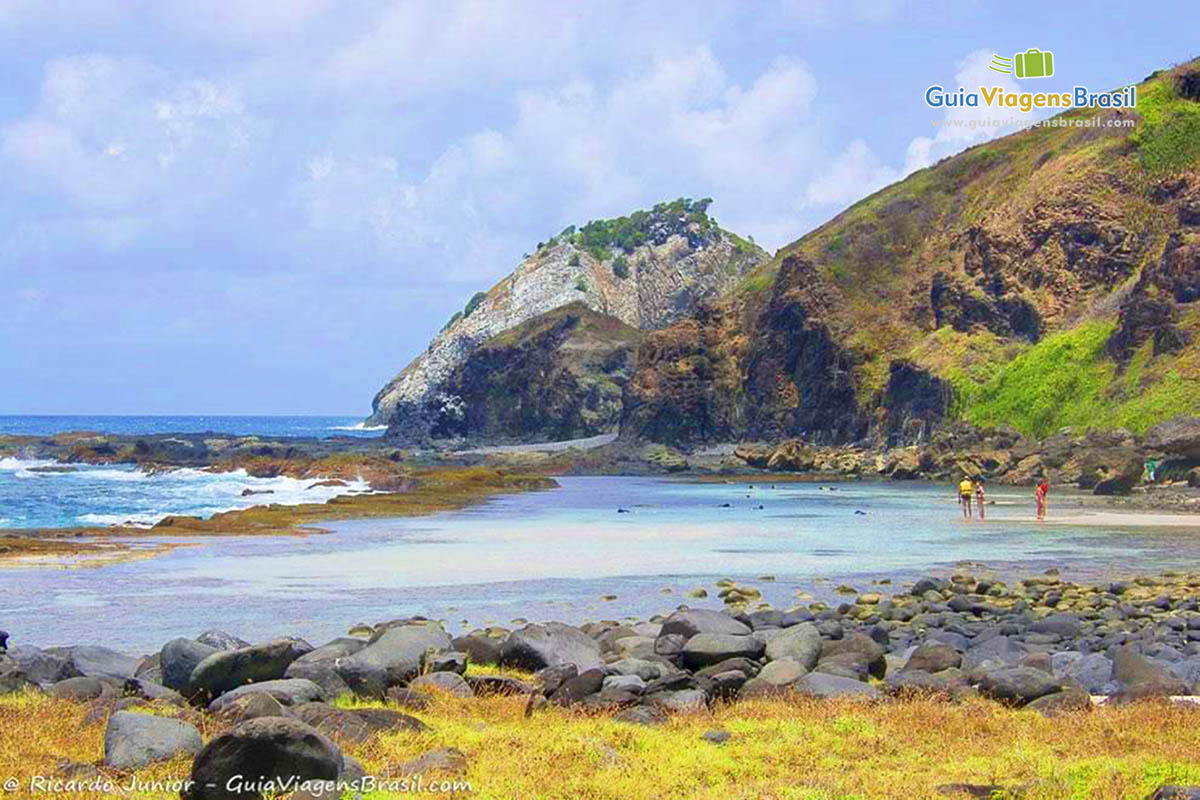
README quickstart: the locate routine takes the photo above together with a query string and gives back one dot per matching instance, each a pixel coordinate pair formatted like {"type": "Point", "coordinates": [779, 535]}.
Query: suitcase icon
{"type": "Point", "coordinates": [1034, 63]}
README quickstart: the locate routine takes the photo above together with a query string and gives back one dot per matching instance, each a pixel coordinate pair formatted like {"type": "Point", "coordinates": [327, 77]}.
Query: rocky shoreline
{"type": "Point", "coordinates": [1042, 644]}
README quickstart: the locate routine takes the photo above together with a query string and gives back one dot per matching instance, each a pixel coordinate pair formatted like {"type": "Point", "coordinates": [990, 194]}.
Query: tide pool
{"type": "Point", "coordinates": [554, 554]}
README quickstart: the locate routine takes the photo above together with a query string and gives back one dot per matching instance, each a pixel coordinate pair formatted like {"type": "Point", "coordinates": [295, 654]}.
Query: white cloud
{"type": "Point", "coordinates": [960, 126]}
{"type": "Point", "coordinates": [852, 175]}
{"type": "Point", "coordinates": [118, 134]}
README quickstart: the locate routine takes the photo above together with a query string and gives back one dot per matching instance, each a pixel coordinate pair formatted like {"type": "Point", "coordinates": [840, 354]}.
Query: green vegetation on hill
{"type": "Point", "coordinates": [599, 237]}
{"type": "Point", "coordinates": [1169, 137]}
{"type": "Point", "coordinates": [1067, 380]}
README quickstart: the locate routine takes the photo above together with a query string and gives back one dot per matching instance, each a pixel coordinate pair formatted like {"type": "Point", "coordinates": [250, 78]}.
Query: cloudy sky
{"type": "Point", "coordinates": [219, 206]}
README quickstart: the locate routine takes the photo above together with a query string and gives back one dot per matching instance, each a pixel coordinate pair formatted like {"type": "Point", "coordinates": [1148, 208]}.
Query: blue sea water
{"type": "Point", "coordinates": [556, 554]}
{"type": "Point", "coordinates": [241, 425]}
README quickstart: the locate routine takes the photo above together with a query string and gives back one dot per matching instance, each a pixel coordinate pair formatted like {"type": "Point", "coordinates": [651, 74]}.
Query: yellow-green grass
{"type": "Point", "coordinates": [791, 748]}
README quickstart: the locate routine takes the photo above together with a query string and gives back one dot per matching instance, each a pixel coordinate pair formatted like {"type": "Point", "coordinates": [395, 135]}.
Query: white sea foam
{"type": "Point", "coordinates": [10, 464]}
{"type": "Point", "coordinates": [358, 426]}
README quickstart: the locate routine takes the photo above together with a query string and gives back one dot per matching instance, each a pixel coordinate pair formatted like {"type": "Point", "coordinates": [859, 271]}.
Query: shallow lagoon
{"type": "Point", "coordinates": [554, 554]}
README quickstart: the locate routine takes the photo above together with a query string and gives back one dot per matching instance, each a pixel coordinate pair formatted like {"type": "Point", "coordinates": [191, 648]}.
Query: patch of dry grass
{"type": "Point", "coordinates": [778, 749]}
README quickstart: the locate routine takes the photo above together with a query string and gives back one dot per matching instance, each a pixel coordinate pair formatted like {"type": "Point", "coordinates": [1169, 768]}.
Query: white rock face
{"type": "Point", "coordinates": [663, 282]}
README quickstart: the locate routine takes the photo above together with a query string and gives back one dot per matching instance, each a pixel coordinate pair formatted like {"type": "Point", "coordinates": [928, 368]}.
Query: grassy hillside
{"type": "Point", "coordinates": [1013, 271]}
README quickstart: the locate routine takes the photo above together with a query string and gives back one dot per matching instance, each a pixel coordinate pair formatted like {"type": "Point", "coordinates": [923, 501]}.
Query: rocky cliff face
{"type": "Point", "coordinates": [644, 271]}
{"type": "Point", "coordinates": [967, 291]}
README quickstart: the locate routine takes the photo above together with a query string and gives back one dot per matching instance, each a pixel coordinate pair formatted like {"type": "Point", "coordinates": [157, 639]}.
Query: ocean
{"type": "Point", "coordinates": [319, 427]}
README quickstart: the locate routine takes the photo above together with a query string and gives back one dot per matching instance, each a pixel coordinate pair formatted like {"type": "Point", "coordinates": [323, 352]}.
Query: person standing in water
{"type": "Point", "coordinates": [979, 496]}
{"type": "Point", "coordinates": [965, 490]}
{"type": "Point", "coordinates": [1039, 497]}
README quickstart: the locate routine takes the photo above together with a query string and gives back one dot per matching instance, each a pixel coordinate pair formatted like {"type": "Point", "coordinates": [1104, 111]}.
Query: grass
{"type": "Point", "coordinates": [778, 749]}
{"type": "Point", "coordinates": [1169, 137]}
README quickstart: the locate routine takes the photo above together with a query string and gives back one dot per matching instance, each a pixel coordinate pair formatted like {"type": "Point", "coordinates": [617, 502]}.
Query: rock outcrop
{"type": "Point", "coordinates": [645, 271]}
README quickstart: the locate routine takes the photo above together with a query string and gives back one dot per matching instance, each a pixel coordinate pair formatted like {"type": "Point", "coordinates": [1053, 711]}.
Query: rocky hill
{"type": "Point", "coordinates": [1049, 278]}
{"type": "Point", "coordinates": [546, 352]}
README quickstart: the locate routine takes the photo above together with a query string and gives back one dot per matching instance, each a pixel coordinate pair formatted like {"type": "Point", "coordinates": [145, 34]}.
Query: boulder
{"type": "Point", "coordinates": [642, 715]}
{"type": "Point", "coordinates": [251, 706]}
{"type": "Point", "coordinates": [679, 701]}
{"type": "Point", "coordinates": [950, 681]}
{"type": "Point", "coordinates": [323, 673]}
{"type": "Point", "coordinates": [536, 647]}
{"type": "Point", "coordinates": [444, 760]}
{"type": "Point", "coordinates": [1142, 677]}
{"type": "Point", "coordinates": [575, 689]}
{"type": "Point", "coordinates": [134, 740]}
{"type": "Point", "coordinates": [689, 622]}
{"type": "Point", "coordinates": [705, 649]}
{"type": "Point", "coordinates": [331, 651]}
{"type": "Point", "coordinates": [228, 669]}
{"type": "Point", "coordinates": [1121, 473]}
{"type": "Point", "coordinates": [800, 643]}
{"type": "Point", "coordinates": [933, 657]}
{"type": "Point", "coordinates": [480, 647]}
{"type": "Point", "coordinates": [1061, 624]}
{"type": "Point", "coordinates": [97, 662]}
{"type": "Point", "coordinates": [269, 750]}
{"type": "Point", "coordinates": [1179, 437]}
{"type": "Point", "coordinates": [220, 640]}
{"type": "Point", "coordinates": [775, 678]}
{"type": "Point", "coordinates": [448, 682]}
{"type": "Point", "coordinates": [12, 678]}
{"type": "Point", "coordinates": [1092, 671]}
{"type": "Point", "coordinates": [498, 684]}
{"type": "Point", "coordinates": [43, 667]}
{"type": "Point", "coordinates": [1017, 686]}
{"type": "Point", "coordinates": [1069, 699]}
{"type": "Point", "coordinates": [178, 658]}
{"type": "Point", "coordinates": [82, 689]}
{"type": "Point", "coordinates": [870, 652]}
{"type": "Point", "coordinates": [355, 725]}
{"type": "Point", "coordinates": [288, 691]}
{"type": "Point", "coordinates": [822, 685]}
{"type": "Point", "coordinates": [394, 657]}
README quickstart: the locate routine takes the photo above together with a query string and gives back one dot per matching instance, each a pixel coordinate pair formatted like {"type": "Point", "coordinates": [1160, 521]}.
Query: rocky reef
{"type": "Point", "coordinates": [646, 271]}
{"type": "Point", "coordinates": [286, 710]}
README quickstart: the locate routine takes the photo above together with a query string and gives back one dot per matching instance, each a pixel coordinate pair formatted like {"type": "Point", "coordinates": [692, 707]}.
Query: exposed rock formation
{"type": "Point", "coordinates": [647, 271]}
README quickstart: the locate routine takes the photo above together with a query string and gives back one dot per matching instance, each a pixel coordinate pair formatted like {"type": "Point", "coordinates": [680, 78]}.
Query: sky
{"type": "Point", "coordinates": [214, 206]}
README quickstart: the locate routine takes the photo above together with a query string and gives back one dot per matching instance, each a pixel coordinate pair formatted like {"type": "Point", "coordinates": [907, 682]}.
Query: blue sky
{"type": "Point", "coordinates": [269, 207]}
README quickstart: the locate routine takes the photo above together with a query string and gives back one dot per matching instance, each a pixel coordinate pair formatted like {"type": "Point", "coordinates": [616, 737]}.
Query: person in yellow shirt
{"type": "Point", "coordinates": [966, 490]}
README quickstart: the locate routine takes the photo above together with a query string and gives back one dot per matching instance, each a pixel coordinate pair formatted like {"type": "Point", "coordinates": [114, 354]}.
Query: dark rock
{"type": "Point", "coordinates": [12, 678]}
{"type": "Point", "coordinates": [1178, 437]}
{"type": "Point", "coordinates": [448, 661]}
{"type": "Point", "coordinates": [42, 667]}
{"type": "Point", "coordinates": [705, 649]}
{"type": "Point", "coordinates": [354, 725]}
{"type": "Point", "coordinates": [323, 673]}
{"type": "Point", "coordinates": [1144, 678]}
{"type": "Point", "coordinates": [536, 647]}
{"type": "Point", "coordinates": [221, 640]}
{"type": "Point", "coordinates": [394, 657]}
{"type": "Point", "coordinates": [823, 685]}
{"type": "Point", "coordinates": [480, 648]}
{"type": "Point", "coordinates": [1092, 671]}
{"type": "Point", "coordinates": [717, 737]}
{"type": "Point", "coordinates": [178, 658]}
{"type": "Point", "coordinates": [274, 750]}
{"type": "Point", "coordinates": [574, 690]}
{"type": "Point", "coordinates": [950, 681]}
{"type": "Point", "coordinates": [642, 715]}
{"type": "Point", "coordinates": [97, 662]}
{"type": "Point", "coordinates": [1169, 792]}
{"type": "Point", "coordinates": [498, 684]}
{"type": "Point", "coordinates": [929, 585]}
{"type": "Point", "coordinates": [984, 791]}
{"type": "Point", "coordinates": [680, 701]}
{"type": "Point", "coordinates": [550, 678]}
{"type": "Point", "coordinates": [1069, 699]}
{"type": "Point", "coordinates": [228, 669]}
{"type": "Point", "coordinates": [251, 706]}
{"type": "Point", "coordinates": [134, 740]}
{"type": "Point", "coordinates": [149, 690]}
{"type": "Point", "coordinates": [800, 643]}
{"type": "Point", "coordinates": [690, 622]}
{"type": "Point", "coordinates": [331, 651]}
{"type": "Point", "coordinates": [408, 698]}
{"type": "Point", "coordinates": [871, 653]}
{"type": "Point", "coordinates": [1017, 686]}
{"type": "Point", "coordinates": [82, 689]}
{"type": "Point", "coordinates": [448, 682]}
{"type": "Point", "coordinates": [933, 657]}
{"type": "Point", "coordinates": [288, 691]}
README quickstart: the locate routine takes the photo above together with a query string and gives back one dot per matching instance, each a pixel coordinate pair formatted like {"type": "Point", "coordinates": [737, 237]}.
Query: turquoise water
{"type": "Point", "coordinates": [554, 554]}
